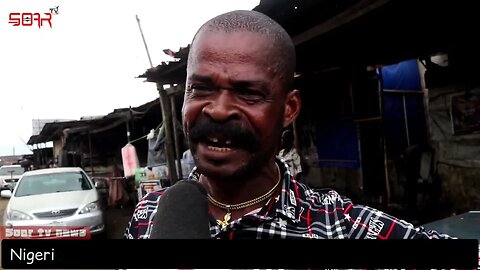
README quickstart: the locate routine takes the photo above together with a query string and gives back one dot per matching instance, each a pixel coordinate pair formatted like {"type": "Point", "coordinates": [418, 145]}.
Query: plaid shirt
{"type": "Point", "coordinates": [295, 211]}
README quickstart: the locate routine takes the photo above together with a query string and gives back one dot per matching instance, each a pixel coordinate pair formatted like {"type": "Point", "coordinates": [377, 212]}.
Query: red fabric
{"type": "Point", "coordinates": [117, 193]}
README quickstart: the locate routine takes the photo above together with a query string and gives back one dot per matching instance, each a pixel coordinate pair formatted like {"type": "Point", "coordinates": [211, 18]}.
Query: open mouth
{"type": "Point", "coordinates": [219, 144]}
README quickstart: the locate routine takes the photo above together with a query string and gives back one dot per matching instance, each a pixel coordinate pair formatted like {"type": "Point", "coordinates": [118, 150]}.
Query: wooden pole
{"type": "Point", "coordinates": [167, 122]}
{"type": "Point", "coordinates": [92, 171]}
{"type": "Point", "coordinates": [176, 138]}
{"type": "Point", "coordinates": [167, 119]}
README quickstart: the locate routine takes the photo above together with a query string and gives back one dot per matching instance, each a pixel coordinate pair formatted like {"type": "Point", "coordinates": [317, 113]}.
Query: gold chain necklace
{"type": "Point", "coordinates": [229, 207]}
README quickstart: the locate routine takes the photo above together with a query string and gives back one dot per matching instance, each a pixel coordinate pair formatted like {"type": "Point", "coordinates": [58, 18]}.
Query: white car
{"type": "Point", "coordinates": [9, 175]}
{"type": "Point", "coordinates": [55, 197]}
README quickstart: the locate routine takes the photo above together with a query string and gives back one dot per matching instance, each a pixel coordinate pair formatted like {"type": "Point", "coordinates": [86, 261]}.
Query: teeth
{"type": "Point", "coordinates": [219, 149]}
{"type": "Point", "coordinates": [215, 140]}
{"type": "Point", "coordinates": [228, 142]}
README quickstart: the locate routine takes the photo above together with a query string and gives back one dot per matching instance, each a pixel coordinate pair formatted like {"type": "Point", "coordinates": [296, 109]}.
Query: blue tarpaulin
{"type": "Point", "coordinates": [337, 144]}
{"type": "Point", "coordinates": [403, 76]}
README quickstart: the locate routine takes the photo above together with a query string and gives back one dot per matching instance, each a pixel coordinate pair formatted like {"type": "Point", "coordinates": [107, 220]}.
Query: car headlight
{"type": "Point", "coordinates": [17, 215]}
{"type": "Point", "coordinates": [90, 207]}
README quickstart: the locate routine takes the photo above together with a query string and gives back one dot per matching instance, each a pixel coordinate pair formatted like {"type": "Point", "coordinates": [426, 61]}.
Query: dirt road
{"type": "Point", "coordinates": [117, 221]}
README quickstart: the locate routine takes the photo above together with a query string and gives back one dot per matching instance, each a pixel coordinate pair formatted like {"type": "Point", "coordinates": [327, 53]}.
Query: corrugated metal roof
{"type": "Point", "coordinates": [173, 72]}
{"type": "Point", "coordinates": [55, 129]}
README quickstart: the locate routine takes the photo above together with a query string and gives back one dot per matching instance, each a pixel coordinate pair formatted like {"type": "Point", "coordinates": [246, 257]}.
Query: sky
{"type": "Point", "coordinates": [86, 63]}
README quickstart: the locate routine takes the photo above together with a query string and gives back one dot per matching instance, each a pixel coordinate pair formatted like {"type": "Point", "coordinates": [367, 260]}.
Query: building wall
{"type": "Point", "coordinates": [457, 156]}
{"type": "Point", "coordinates": [338, 133]}
{"type": "Point", "coordinates": [347, 182]}
{"type": "Point", "coordinates": [451, 184]}
{"type": "Point", "coordinates": [9, 160]}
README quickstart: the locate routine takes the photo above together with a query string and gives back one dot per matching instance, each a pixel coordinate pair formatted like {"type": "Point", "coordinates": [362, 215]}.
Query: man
{"type": "Point", "coordinates": [238, 99]}
{"type": "Point", "coordinates": [290, 155]}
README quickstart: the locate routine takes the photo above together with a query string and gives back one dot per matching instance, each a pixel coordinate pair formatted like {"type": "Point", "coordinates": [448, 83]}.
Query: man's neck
{"type": "Point", "coordinates": [240, 190]}
{"type": "Point", "coordinates": [243, 187]}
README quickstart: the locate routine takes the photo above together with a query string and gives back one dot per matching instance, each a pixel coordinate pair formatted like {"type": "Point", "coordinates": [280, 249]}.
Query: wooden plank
{"type": "Point", "coordinates": [173, 90]}
{"type": "Point", "coordinates": [176, 137]}
{"type": "Point", "coordinates": [169, 143]}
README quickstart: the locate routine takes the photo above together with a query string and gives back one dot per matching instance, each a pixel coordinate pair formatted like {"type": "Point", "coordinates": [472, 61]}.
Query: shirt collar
{"type": "Point", "coordinates": [288, 202]}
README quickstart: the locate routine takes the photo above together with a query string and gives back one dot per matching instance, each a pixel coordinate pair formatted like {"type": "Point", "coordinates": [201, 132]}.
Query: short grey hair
{"type": "Point", "coordinates": [256, 22]}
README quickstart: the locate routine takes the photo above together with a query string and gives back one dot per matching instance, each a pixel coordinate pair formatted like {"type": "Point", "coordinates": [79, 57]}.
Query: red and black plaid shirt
{"type": "Point", "coordinates": [295, 211]}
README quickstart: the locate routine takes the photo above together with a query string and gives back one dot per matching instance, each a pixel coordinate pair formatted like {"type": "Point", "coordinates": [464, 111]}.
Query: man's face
{"type": "Point", "coordinates": [234, 103]}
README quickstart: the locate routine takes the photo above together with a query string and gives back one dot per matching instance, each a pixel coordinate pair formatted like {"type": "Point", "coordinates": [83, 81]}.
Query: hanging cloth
{"type": "Point", "coordinates": [130, 160]}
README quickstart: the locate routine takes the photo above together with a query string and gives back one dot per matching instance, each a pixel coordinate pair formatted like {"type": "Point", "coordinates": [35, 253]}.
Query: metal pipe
{"type": "Point", "coordinates": [403, 92]}
{"type": "Point", "coordinates": [405, 116]}
{"type": "Point", "coordinates": [144, 42]}
{"type": "Point", "coordinates": [381, 92]}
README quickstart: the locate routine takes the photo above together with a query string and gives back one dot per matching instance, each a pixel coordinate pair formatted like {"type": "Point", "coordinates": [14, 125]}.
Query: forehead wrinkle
{"type": "Point", "coordinates": [225, 57]}
{"type": "Point", "coordinates": [263, 54]}
{"type": "Point", "coordinates": [212, 56]}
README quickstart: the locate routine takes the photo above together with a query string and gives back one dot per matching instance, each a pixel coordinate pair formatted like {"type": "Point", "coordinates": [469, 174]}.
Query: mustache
{"type": "Point", "coordinates": [239, 135]}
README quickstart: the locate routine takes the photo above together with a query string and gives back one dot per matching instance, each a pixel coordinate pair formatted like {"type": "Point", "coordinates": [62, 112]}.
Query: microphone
{"type": "Point", "coordinates": [182, 213]}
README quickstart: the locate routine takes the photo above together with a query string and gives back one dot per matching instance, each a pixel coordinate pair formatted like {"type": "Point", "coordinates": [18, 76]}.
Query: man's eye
{"type": "Point", "coordinates": [200, 88]}
{"type": "Point", "coordinates": [251, 94]}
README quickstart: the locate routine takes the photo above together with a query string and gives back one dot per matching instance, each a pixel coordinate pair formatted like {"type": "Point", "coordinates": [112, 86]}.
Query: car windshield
{"type": "Point", "coordinates": [52, 183]}
{"type": "Point", "coordinates": [11, 170]}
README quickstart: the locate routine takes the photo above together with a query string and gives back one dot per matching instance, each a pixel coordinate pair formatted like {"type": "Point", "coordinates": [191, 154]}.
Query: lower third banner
{"type": "Point", "coordinates": [225, 254]}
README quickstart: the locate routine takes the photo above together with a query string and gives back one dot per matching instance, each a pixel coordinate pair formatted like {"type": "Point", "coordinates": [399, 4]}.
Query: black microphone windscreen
{"type": "Point", "coordinates": [182, 213]}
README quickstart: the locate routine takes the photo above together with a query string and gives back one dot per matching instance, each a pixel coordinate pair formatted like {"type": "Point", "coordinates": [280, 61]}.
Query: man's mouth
{"type": "Point", "coordinates": [219, 144]}
{"type": "Point", "coordinates": [223, 137]}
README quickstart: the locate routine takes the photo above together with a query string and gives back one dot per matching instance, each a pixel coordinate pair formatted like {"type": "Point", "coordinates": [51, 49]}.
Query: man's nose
{"type": "Point", "coordinates": [222, 107]}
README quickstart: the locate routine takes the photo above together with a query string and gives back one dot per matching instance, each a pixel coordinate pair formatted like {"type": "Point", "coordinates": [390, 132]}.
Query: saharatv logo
{"type": "Point", "coordinates": [33, 18]}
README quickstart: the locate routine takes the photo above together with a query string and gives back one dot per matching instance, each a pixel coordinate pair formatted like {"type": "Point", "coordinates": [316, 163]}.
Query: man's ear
{"type": "Point", "coordinates": [292, 107]}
